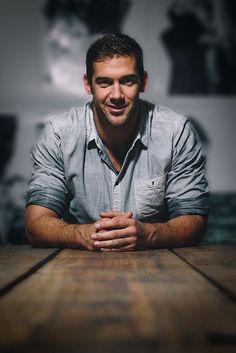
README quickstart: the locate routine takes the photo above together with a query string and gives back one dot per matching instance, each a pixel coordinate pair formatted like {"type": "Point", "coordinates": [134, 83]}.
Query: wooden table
{"type": "Point", "coordinates": [69, 301]}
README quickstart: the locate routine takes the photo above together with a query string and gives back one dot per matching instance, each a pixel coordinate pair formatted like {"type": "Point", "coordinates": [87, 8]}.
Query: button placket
{"type": "Point", "coordinates": [116, 193]}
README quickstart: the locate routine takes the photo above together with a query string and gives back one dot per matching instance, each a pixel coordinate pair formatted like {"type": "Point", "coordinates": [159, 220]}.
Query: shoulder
{"type": "Point", "coordinates": [69, 121]}
{"type": "Point", "coordinates": [165, 115]}
{"type": "Point", "coordinates": [68, 126]}
{"type": "Point", "coordinates": [163, 118]}
{"type": "Point", "coordinates": [65, 128]}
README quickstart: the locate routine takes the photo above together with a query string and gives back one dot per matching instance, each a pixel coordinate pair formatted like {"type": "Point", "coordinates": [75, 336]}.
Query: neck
{"type": "Point", "coordinates": [117, 139]}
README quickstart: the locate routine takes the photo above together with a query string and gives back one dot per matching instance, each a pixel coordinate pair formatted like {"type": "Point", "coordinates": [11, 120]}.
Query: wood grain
{"type": "Point", "coordinates": [94, 302]}
{"type": "Point", "coordinates": [17, 260]}
{"type": "Point", "coordinates": [216, 262]}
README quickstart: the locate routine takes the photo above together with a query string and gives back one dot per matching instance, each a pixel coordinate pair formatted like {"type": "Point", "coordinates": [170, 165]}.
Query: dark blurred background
{"type": "Point", "coordinates": [189, 52]}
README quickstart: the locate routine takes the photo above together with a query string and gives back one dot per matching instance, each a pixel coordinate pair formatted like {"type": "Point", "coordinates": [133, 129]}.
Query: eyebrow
{"type": "Point", "coordinates": [102, 78]}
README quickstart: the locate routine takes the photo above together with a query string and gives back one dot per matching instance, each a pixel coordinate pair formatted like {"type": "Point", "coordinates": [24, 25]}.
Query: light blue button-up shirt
{"type": "Point", "coordinates": [162, 175]}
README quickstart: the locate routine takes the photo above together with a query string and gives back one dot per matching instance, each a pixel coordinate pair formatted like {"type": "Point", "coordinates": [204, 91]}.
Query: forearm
{"type": "Point", "coordinates": [187, 230]}
{"type": "Point", "coordinates": [46, 229]}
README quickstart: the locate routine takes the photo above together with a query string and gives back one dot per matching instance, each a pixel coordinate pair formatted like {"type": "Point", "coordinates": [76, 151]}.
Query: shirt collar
{"type": "Point", "coordinates": [142, 126]}
{"type": "Point", "coordinates": [92, 134]}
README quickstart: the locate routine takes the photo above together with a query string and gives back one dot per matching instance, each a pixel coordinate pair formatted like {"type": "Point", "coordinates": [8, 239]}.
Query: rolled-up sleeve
{"type": "Point", "coordinates": [48, 185]}
{"type": "Point", "coordinates": [187, 188]}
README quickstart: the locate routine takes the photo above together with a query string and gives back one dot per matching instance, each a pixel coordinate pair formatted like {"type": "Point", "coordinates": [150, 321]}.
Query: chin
{"type": "Point", "coordinates": [118, 121]}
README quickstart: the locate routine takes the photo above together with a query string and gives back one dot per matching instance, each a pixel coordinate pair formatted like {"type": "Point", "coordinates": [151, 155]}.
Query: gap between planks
{"type": "Point", "coordinates": [9, 286]}
{"type": "Point", "coordinates": [230, 295]}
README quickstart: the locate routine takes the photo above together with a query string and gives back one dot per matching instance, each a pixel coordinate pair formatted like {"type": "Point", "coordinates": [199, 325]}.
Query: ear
{"type": "Point", "coordinates": [87, 84]}
{"type": "Point", "coordinates": [144, 83]}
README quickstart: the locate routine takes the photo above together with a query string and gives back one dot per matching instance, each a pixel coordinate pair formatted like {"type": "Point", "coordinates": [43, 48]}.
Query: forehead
{"type": "Point", "coordinates": [115, 67]}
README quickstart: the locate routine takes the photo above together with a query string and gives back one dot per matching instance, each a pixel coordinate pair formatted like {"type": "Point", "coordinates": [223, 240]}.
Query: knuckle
{"type": "Point", "coordinates": [134, 241]}
{"type": "Point", "coordinates": [133, 229]}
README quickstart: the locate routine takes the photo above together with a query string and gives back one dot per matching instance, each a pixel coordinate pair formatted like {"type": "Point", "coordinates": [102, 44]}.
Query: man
{"type": "Point", "coordinates": [118, 174]}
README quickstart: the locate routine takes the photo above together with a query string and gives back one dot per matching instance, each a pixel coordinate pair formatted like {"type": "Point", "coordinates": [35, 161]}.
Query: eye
{"type": "Point", "coordinates": [129, 81]}
{"type": "Point", "coordinates": [103, 82]}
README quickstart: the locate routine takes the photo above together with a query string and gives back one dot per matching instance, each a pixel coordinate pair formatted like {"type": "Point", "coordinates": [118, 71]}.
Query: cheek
{"type": "Point", "coordinates": [132, 94]}
{"type": "Point", "coordinates": [100, 96]}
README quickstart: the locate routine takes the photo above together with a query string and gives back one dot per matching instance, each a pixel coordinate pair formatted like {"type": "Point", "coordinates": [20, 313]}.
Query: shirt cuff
{"type": "Point", "coordinates": [198, 205]}
{"type": "Point", "coordinates": [49, 198]}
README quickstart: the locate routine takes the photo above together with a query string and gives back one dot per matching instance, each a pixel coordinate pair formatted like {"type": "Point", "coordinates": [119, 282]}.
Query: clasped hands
{"type": "Point", "coordinates": [118, 231]}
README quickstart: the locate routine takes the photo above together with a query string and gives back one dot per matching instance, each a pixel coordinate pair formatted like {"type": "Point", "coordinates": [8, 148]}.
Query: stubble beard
{"type": "Point", "coordinates": [115, 121]}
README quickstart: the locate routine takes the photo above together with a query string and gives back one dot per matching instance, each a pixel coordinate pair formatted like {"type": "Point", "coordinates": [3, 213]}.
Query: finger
{"type": "Point", "coordinates": [124, 249]}
{"type": "Point", "coordinates": [112, 214]}
{"type": "Point", "coordinates": [114, 223]}
{"type": "Point", "coordinates": [112, 243]}
{"type": "Point", "coordinates": [112, 234]}
{"type": "Point", "coordinates": [97, 223]}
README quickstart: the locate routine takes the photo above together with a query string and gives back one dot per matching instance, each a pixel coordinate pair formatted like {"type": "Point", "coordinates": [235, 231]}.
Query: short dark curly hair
{"type": "Point", "coordinates": [114, 45]}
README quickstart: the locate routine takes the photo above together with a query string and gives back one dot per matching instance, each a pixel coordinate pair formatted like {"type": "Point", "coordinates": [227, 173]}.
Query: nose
{"type": "Point", "coordinates": [116, 92]}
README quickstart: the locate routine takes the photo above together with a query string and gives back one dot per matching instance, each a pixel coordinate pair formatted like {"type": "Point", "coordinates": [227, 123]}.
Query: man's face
{"type": "Point", "coordinates": [115, 87]}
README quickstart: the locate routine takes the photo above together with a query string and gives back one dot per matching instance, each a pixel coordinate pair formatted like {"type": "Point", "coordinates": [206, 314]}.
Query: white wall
{"type": "Point", "coordinates": [21, 90]}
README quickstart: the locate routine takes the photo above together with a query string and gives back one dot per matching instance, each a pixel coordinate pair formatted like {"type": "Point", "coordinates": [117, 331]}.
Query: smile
{"type": "Point", "coordinates": [116, 109]}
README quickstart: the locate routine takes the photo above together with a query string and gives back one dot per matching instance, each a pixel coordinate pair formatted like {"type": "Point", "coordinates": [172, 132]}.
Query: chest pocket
{"type": "Point", "coordinates": [149, 196]}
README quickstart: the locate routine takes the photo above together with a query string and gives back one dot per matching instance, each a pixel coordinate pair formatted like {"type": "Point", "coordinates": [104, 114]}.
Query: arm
{"type": "Point", "coordinates": [185, 230]}
{"type": "Point", "coordinates": [45, 228]}
{"type": "Point", "coordinates": [121, 233]}
{"type": "Point", "coordinates": [48, 197]}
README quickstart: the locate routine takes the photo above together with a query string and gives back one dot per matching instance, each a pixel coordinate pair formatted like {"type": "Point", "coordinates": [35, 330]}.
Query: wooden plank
{"type": "Point", "coordinates": [218, 262]}
{"type": "Point", "coordinates": [94, 302]}
{"type": "Point", "coordinates": [16, 260]}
